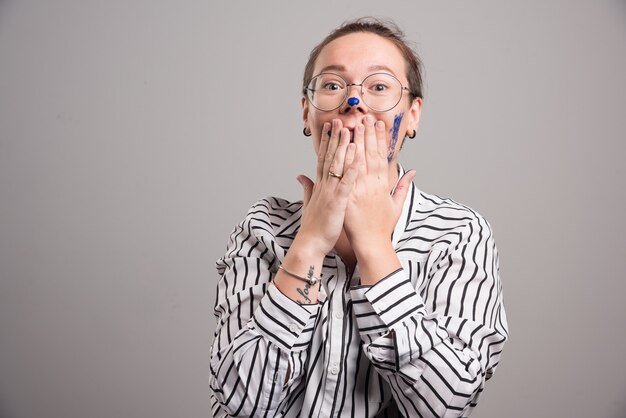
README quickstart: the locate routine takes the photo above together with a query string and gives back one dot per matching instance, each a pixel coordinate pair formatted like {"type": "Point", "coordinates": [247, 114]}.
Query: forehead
{"type": "Point", "coordinates": [359, 54]}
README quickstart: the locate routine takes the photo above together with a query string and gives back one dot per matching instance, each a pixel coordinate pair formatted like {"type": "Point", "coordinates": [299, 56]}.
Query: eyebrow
{"type": "Point", "coordinates": [343, 68]}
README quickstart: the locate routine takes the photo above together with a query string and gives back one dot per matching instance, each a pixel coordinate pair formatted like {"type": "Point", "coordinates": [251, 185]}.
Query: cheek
{"type": "Point", "coordinates": [316, 124]}
{"type": "Point", "coordinates": [394, 134]}
{"type": "Point", "coordinates": [316, 144]}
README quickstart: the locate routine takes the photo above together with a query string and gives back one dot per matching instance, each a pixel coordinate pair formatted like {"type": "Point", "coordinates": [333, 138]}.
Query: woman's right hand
{"type": "Point", "coordinates": [325, 201]}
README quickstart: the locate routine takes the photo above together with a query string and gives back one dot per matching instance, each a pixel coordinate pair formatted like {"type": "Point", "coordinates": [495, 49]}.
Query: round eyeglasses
{"type": "Point", "coordinates": [380, 92]}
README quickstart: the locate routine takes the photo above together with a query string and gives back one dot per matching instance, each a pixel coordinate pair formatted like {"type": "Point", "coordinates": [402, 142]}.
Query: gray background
{"type": "Point", "coordinates": [135, 134]}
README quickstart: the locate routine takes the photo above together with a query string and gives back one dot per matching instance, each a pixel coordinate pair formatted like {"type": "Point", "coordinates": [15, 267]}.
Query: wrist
{"type": "Point", "coordinates": [377, 261]}
{"type": "Point", "coordinates": [371, 247]}
{"type": "Point", "coordinates": [307, 248]}
{"type": "Point", "coordinates": [295, 277]}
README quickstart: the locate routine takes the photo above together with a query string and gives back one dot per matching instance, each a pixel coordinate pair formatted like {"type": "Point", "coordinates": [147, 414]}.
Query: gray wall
{"type": "Point", "coordinates": [124, 123]}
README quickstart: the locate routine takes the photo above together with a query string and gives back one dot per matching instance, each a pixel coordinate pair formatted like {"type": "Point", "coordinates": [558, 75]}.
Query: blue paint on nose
{"type": "Point", "coordinates": [353, 101]}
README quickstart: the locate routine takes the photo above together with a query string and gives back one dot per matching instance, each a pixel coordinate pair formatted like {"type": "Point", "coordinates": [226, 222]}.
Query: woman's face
{"type": "Point", "coordinates": [354, 57]}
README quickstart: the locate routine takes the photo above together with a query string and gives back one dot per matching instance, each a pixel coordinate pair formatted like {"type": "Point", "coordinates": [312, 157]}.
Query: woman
{"type": "Point", "coordinates": [370, 298]}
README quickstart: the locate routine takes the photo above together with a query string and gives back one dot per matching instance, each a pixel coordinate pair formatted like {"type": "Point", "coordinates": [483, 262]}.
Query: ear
{"type": "Point", "coordinates": [414, 116]}
{"type": "Point", "coordinates": [305, 110]}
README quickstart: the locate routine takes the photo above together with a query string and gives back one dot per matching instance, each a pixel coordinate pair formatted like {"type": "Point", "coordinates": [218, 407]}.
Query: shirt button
{"type": "Point", "coordinates": [338, 315]}
{"type": "Point", "coordinates": [249, 325]}
{"type": "Point", "coordinates": [293, 328]}
{"type": "Point", "coordinates": [383, 307]}
{"type": "Point", "coordinates": [334, 369]}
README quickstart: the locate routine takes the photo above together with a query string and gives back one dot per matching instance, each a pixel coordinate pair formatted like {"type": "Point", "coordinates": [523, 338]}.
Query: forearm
{"type": "Point", "coordinates": [261, 354]}
{"type": "Point", "coordinates": [443, 380]}
{"type": "Point", "coordinates": [377, 259]}
{"type": "Point", "coordinates": [440, 362]}
{"type": "Point", "coordinates": [303, 260]}
{"type": "Point", "coordinates": [251, 362]}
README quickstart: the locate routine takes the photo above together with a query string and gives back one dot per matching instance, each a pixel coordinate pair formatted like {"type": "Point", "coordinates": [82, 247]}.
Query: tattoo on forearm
{"type": "Point", "coordinates": [304, 292]}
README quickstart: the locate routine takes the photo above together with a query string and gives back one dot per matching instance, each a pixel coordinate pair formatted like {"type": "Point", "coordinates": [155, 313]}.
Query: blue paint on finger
{"type": "Point", "coordinates": [397, 119]}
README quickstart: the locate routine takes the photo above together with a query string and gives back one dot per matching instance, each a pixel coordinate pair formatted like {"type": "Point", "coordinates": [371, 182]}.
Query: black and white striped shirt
{"type": "Point", "coordinates": [443, 311]}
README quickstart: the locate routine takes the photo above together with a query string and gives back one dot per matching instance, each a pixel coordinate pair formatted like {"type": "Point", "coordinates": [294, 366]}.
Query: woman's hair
{"type": "Point", "coordinates": [385, 29]}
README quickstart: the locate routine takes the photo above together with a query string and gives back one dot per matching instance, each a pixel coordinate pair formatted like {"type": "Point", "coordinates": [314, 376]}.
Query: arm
{"type": "Point", "coordinates": [437, 346]}
{"type": "Point", "coordinates": [437, 351]}
{"type": "Point", "coordinates": [265, 318]}
{"type": "Point", "coordinates": [261, 333]}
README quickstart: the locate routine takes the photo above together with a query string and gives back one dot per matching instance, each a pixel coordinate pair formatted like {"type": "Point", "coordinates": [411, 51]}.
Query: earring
{"type": "Point", "coordinates": [414, 133]}
{"type": "Point", "coordinates": [305, 133]}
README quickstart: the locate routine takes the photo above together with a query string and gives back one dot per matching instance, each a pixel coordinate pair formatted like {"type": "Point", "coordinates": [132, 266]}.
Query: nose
{"type": "Point", "coordinates": [354, 100]}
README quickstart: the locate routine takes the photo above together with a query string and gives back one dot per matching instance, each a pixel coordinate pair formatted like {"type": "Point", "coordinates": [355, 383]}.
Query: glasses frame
{"type": "Point", "coordinates": [347, 89]}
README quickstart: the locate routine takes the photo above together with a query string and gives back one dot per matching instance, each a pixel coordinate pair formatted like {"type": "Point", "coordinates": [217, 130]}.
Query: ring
{"type": "Point", "coordinates": [330, 173]}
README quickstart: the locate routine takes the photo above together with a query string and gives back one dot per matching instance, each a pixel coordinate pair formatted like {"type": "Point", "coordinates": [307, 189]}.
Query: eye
{"type": "Point", "coordinates": [379, 87]}
{"type": "Point", "coordinates": [331, 85]}
{"type": "Point", "coordinates": [381, 84]}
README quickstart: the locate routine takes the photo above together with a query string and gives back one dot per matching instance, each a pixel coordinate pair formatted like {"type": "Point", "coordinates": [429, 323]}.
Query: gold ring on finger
{"type": "Point", "coordinates": [339, 176]}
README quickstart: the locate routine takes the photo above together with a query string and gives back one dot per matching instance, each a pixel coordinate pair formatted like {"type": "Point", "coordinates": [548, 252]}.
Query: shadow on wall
{"type": "Point", "coordinates": [619, 6]}
{"type": "Point", "coordinates": [620, 408]}
{"type": "Point", "coordinates": [4, 8]}
{"type": "Point", "coordinates": [3, 412]}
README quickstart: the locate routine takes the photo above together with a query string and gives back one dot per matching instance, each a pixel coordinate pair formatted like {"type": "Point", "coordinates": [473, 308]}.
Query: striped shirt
{"type": "Point", "coordinates": [419, 343]}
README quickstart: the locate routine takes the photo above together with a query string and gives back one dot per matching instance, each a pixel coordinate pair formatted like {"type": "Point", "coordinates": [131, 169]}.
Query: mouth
{"type": "Point", "coordinates": [351, 129]}
{"type": "Point", "coordinates": [350, 132]}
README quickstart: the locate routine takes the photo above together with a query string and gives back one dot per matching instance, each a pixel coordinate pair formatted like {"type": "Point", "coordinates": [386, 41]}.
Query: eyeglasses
{"type": "Point", "coordinates": [380, 92]}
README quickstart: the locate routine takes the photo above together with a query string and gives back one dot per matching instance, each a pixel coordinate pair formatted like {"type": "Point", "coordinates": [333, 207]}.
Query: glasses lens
{"type": "Point", "coordinates": [327, 91]}
{"type": "Point", "coordinates": [381, 92]}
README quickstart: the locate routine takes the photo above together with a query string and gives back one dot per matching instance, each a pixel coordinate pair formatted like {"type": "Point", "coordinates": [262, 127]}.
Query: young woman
{"type": "Point", "coordinates": [370, 297]}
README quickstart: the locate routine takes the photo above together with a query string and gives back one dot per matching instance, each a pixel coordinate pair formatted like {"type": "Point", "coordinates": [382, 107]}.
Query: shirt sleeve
{"type": "Point", "coordinates": [436, 347]}
{"type": "Point", "coordinates": [261, 333]}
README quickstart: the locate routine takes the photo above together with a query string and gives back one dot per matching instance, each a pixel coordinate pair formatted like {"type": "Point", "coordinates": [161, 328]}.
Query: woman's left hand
{"type": "Point", "coordinates": [372, 211]}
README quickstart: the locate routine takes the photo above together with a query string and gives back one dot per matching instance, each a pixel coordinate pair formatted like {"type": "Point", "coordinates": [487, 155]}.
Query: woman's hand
{"type": "Point", "coordinates": [325, 201]}
{"type": "Point", "coordinates": [372, 211]}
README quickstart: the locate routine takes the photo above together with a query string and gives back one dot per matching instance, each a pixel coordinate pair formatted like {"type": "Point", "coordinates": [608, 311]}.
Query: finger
{"type": "Point", "coordinates": [332, 146]}
{"type": "Point", "coordinates": [321, 151]}
{"type": "Point", "coordinates": [307, 185]}
{"type": "Point", "coordinates": [337, 165]}
{"type": "Point", "coordinates": [359, 142]}
{"type": "Point", "coordinates": [371, 143]}
{"type": "Point", "coordinates": [402, 188]}
{"type": "Point", "coordinates": [351, 171]}
{"type": "Point", "coordinates": [350, 154]}
{"type": "Point", "coordinates": [381, 139]}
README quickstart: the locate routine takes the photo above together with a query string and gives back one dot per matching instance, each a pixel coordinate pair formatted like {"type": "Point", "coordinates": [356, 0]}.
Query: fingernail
{"type": "Point", "coordinates": [359, 128]}
{"type": "Point", "coordinates": [326, 129]}
{"type": "Point", "coordinates": [369, 119]}
{"type": "Point", "coordinates": [379, 124]}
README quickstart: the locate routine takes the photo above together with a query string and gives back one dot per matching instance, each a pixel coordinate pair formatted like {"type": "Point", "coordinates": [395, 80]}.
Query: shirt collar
{"type": "Point", "coordinates": [413, 197]}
